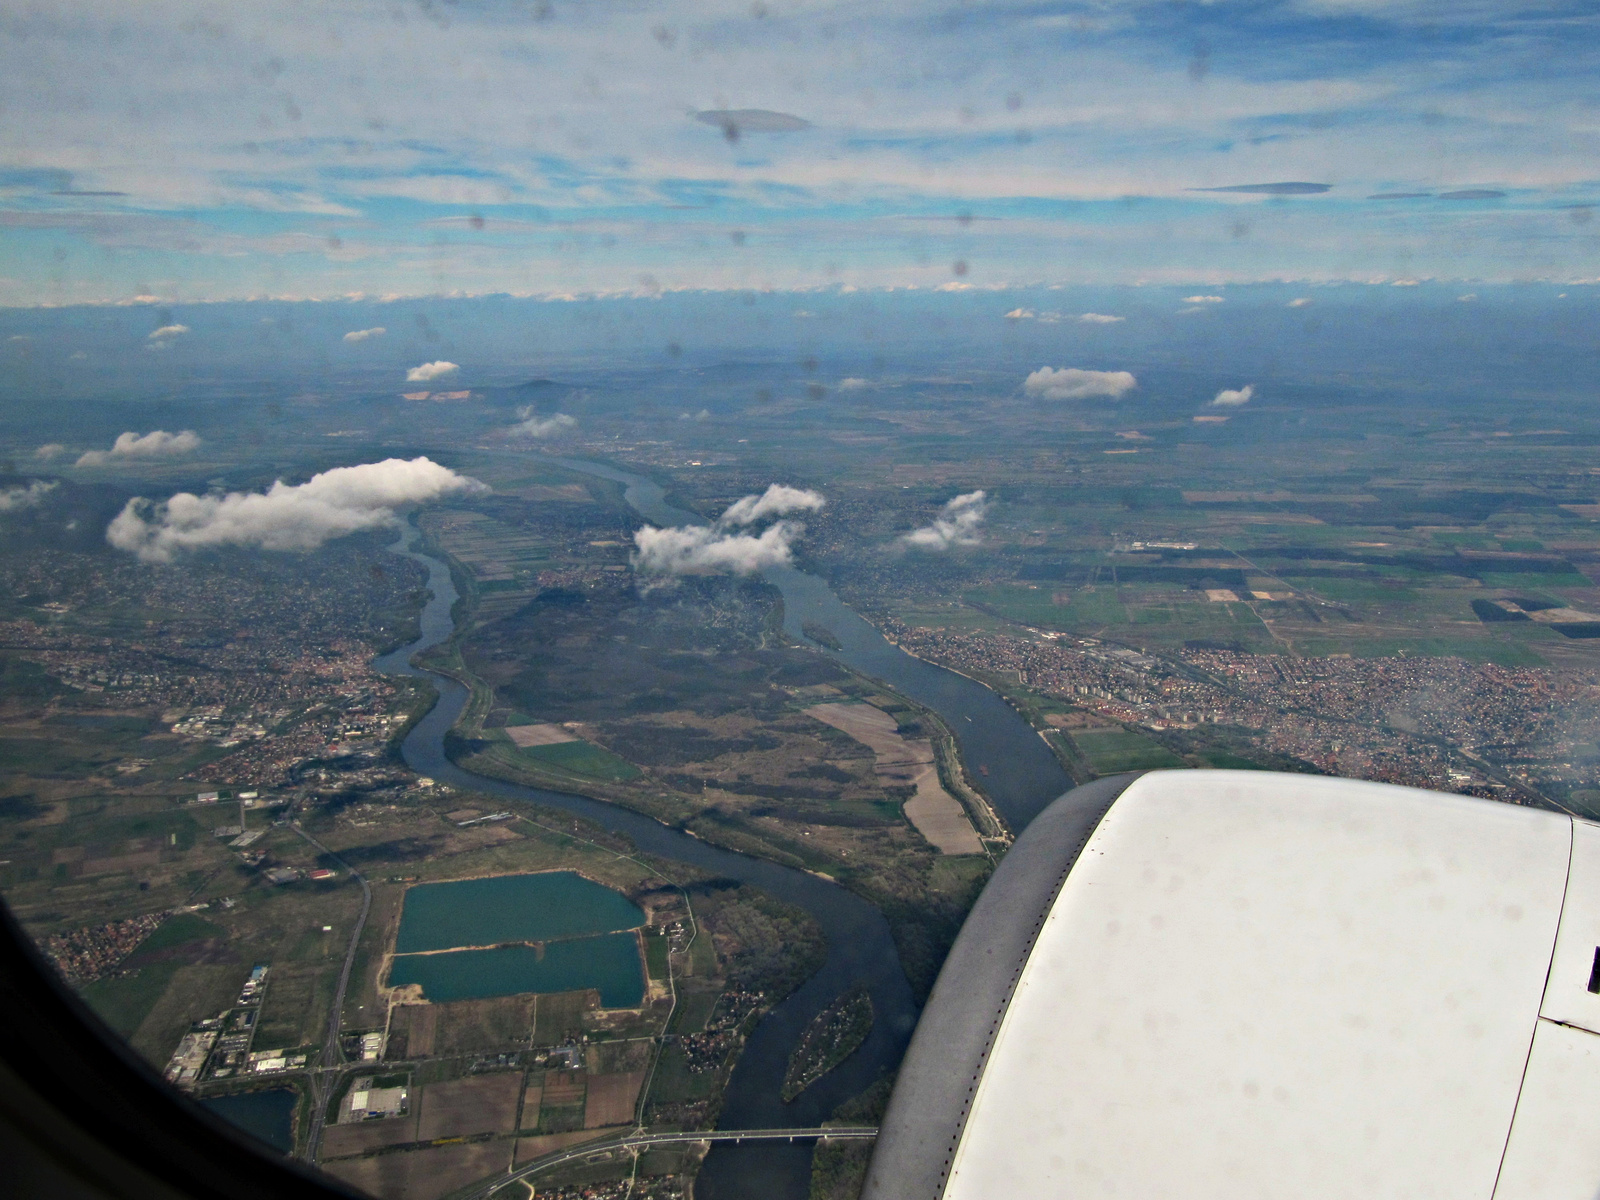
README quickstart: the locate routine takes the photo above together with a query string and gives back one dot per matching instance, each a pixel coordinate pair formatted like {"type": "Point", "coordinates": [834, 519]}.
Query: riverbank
{"type": "Point", "coordinates": [984, 732]}
{"type": "Point", "coordinates": [859, 947]}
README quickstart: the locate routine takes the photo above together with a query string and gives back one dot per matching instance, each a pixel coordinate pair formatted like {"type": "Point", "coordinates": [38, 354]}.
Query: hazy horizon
{"type": "Point", "coordinates": [182, 152]}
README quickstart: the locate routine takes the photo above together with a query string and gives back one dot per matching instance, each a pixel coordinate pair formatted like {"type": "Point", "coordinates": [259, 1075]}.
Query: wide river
{"type": "Point", "coordinates": [1024, 776]}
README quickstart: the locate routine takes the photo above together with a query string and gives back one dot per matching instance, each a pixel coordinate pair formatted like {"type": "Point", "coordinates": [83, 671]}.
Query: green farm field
{"type": "Point", "coordinates": [582, 758]}
{"type": "Point", "coordinates": [1142, 614]}
{"type": "Point", "coordinates": [1112, 750]}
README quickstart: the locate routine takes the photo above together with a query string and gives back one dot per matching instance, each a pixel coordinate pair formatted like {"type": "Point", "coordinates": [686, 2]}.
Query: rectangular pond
{"type": "Point", "coordinates": [545, 907]}
{"type": "Point", "coordinates": [553, 931]}
{"type": "Point", "coordinates": [609, 963]}
{"type": "Point", "coordinates": [268, 1116]}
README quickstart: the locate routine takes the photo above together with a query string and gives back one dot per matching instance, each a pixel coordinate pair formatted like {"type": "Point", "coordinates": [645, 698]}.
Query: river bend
{"type": "Point", "coordinates": [860, 948]}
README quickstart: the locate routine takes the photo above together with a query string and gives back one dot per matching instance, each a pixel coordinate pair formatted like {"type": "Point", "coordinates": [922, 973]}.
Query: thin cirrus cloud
{"type": "Point", "coordinates": [302, 516]}
{"type": "Point", "coordinates": [723, 547]}
{"type": "Point", "coordinates": [1272, 189]}
{"type": "Point", "coordinates": [362, 335]}
{"type": "Point", "coordinates": [1234, 397]}
{"type": "Point", "coordinates": [1074, 383]}
{"type": "Point", "coordinates": [130, 446]}
{"type": "Point", "coordinates": [958, 524]}
{"type": "Point", "coordinates": [430, 371]}
{"type": "Point", "coordinates": [192, 203]}
{"type": "Point", "coordinates": [736, 122]}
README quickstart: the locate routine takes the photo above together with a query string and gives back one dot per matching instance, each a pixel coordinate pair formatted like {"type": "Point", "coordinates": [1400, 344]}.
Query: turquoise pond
{"type": "Point", "coordinates": [547, 907]}
{"type": "Point", "coordinates": [577, 923]}
{"type": "Point", "coordinates": [609, 963]}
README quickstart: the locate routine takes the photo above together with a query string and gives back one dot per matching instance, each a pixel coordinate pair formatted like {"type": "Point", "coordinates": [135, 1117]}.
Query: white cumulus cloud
{"type": "Point", "coordinates": [167, 331]}
{"type": "Point", "coordinates": [956, 525]}
{"type": "Point", "coordinates": [32, 496]}
{"type": "Point", "coordinates": [49, 451]}
{"type": "Point", "coordinates": [1052, 318]}
{"type": "Point", "coordinates": [777, 501]}
{"type": "Point", "coordinates": [1071, 383]}
{"type": "Point", "coordinates": [541, 427]}
{"type": "Point", "coordinates": [301, 516]}
{"type": "Point", "coordinates": [688, 549]}
{"type": "Point", "coordinates": [851, 384]}
{"type": "Point", "coordinates": [1204, 299]}
{"type": "Point", "coordinates": [1300, 302]}
{"type": "Point", "coordinates": [361, 335]}
{"type": "Point", "coordinates": [431, 371]}
{"type": "Point", "coordinates": [158, 443]}
{"type": "Point", "coordinates": [1234, 397]}
{"type": "Point", "coordinates": [718, 548]}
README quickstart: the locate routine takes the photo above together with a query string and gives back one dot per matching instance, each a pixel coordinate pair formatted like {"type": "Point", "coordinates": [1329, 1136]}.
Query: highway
{"type": "Point", "coordinates": [633, 1140]}
{"type": "Point", "coordinates": [323, 1078]}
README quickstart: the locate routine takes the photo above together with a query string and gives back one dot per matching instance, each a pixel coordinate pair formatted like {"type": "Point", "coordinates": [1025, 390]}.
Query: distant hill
{"type": "Point", "coordinates": [540, 394]}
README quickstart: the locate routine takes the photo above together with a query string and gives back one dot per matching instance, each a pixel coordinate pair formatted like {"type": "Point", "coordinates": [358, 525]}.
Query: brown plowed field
{"type": "Point", "coordinates": [338, 1140]}
{"type": "Point", "coordinates": [412, 1030]}
{"type": "Point", "coordinates": [482, 1104]}
{"type": "Point", "coordinates": [611, 1098]}
{"type": "Point", "coordinates": [530, 1148]}
{"type": "Point", "coordinates": [423, 1174]}
{"type": "Point", "coordinates": [562, 1088]}
{"type": "Point", "coordinates": [531, 1099]}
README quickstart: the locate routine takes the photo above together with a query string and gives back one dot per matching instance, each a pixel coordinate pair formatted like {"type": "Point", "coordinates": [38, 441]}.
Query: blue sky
{"type": "Point", "coordinates": [551, 148]}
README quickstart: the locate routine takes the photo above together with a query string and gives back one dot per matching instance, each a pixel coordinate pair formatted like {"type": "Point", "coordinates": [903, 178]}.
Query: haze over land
{"type": "Point", "coordinates": [1345, 528]}
{"type": "Point", "coordinates": [821, 432]}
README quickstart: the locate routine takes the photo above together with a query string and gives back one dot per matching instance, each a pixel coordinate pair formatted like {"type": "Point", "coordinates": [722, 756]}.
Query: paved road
{"type": "Point", "coordinates": [332, 1056]}
{"type": "Point", "coordinates": [630, 1140]}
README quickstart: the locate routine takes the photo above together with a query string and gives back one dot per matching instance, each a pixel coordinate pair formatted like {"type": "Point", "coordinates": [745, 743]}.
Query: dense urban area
{"type": "Point", "coordinates": [1439, 723]}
